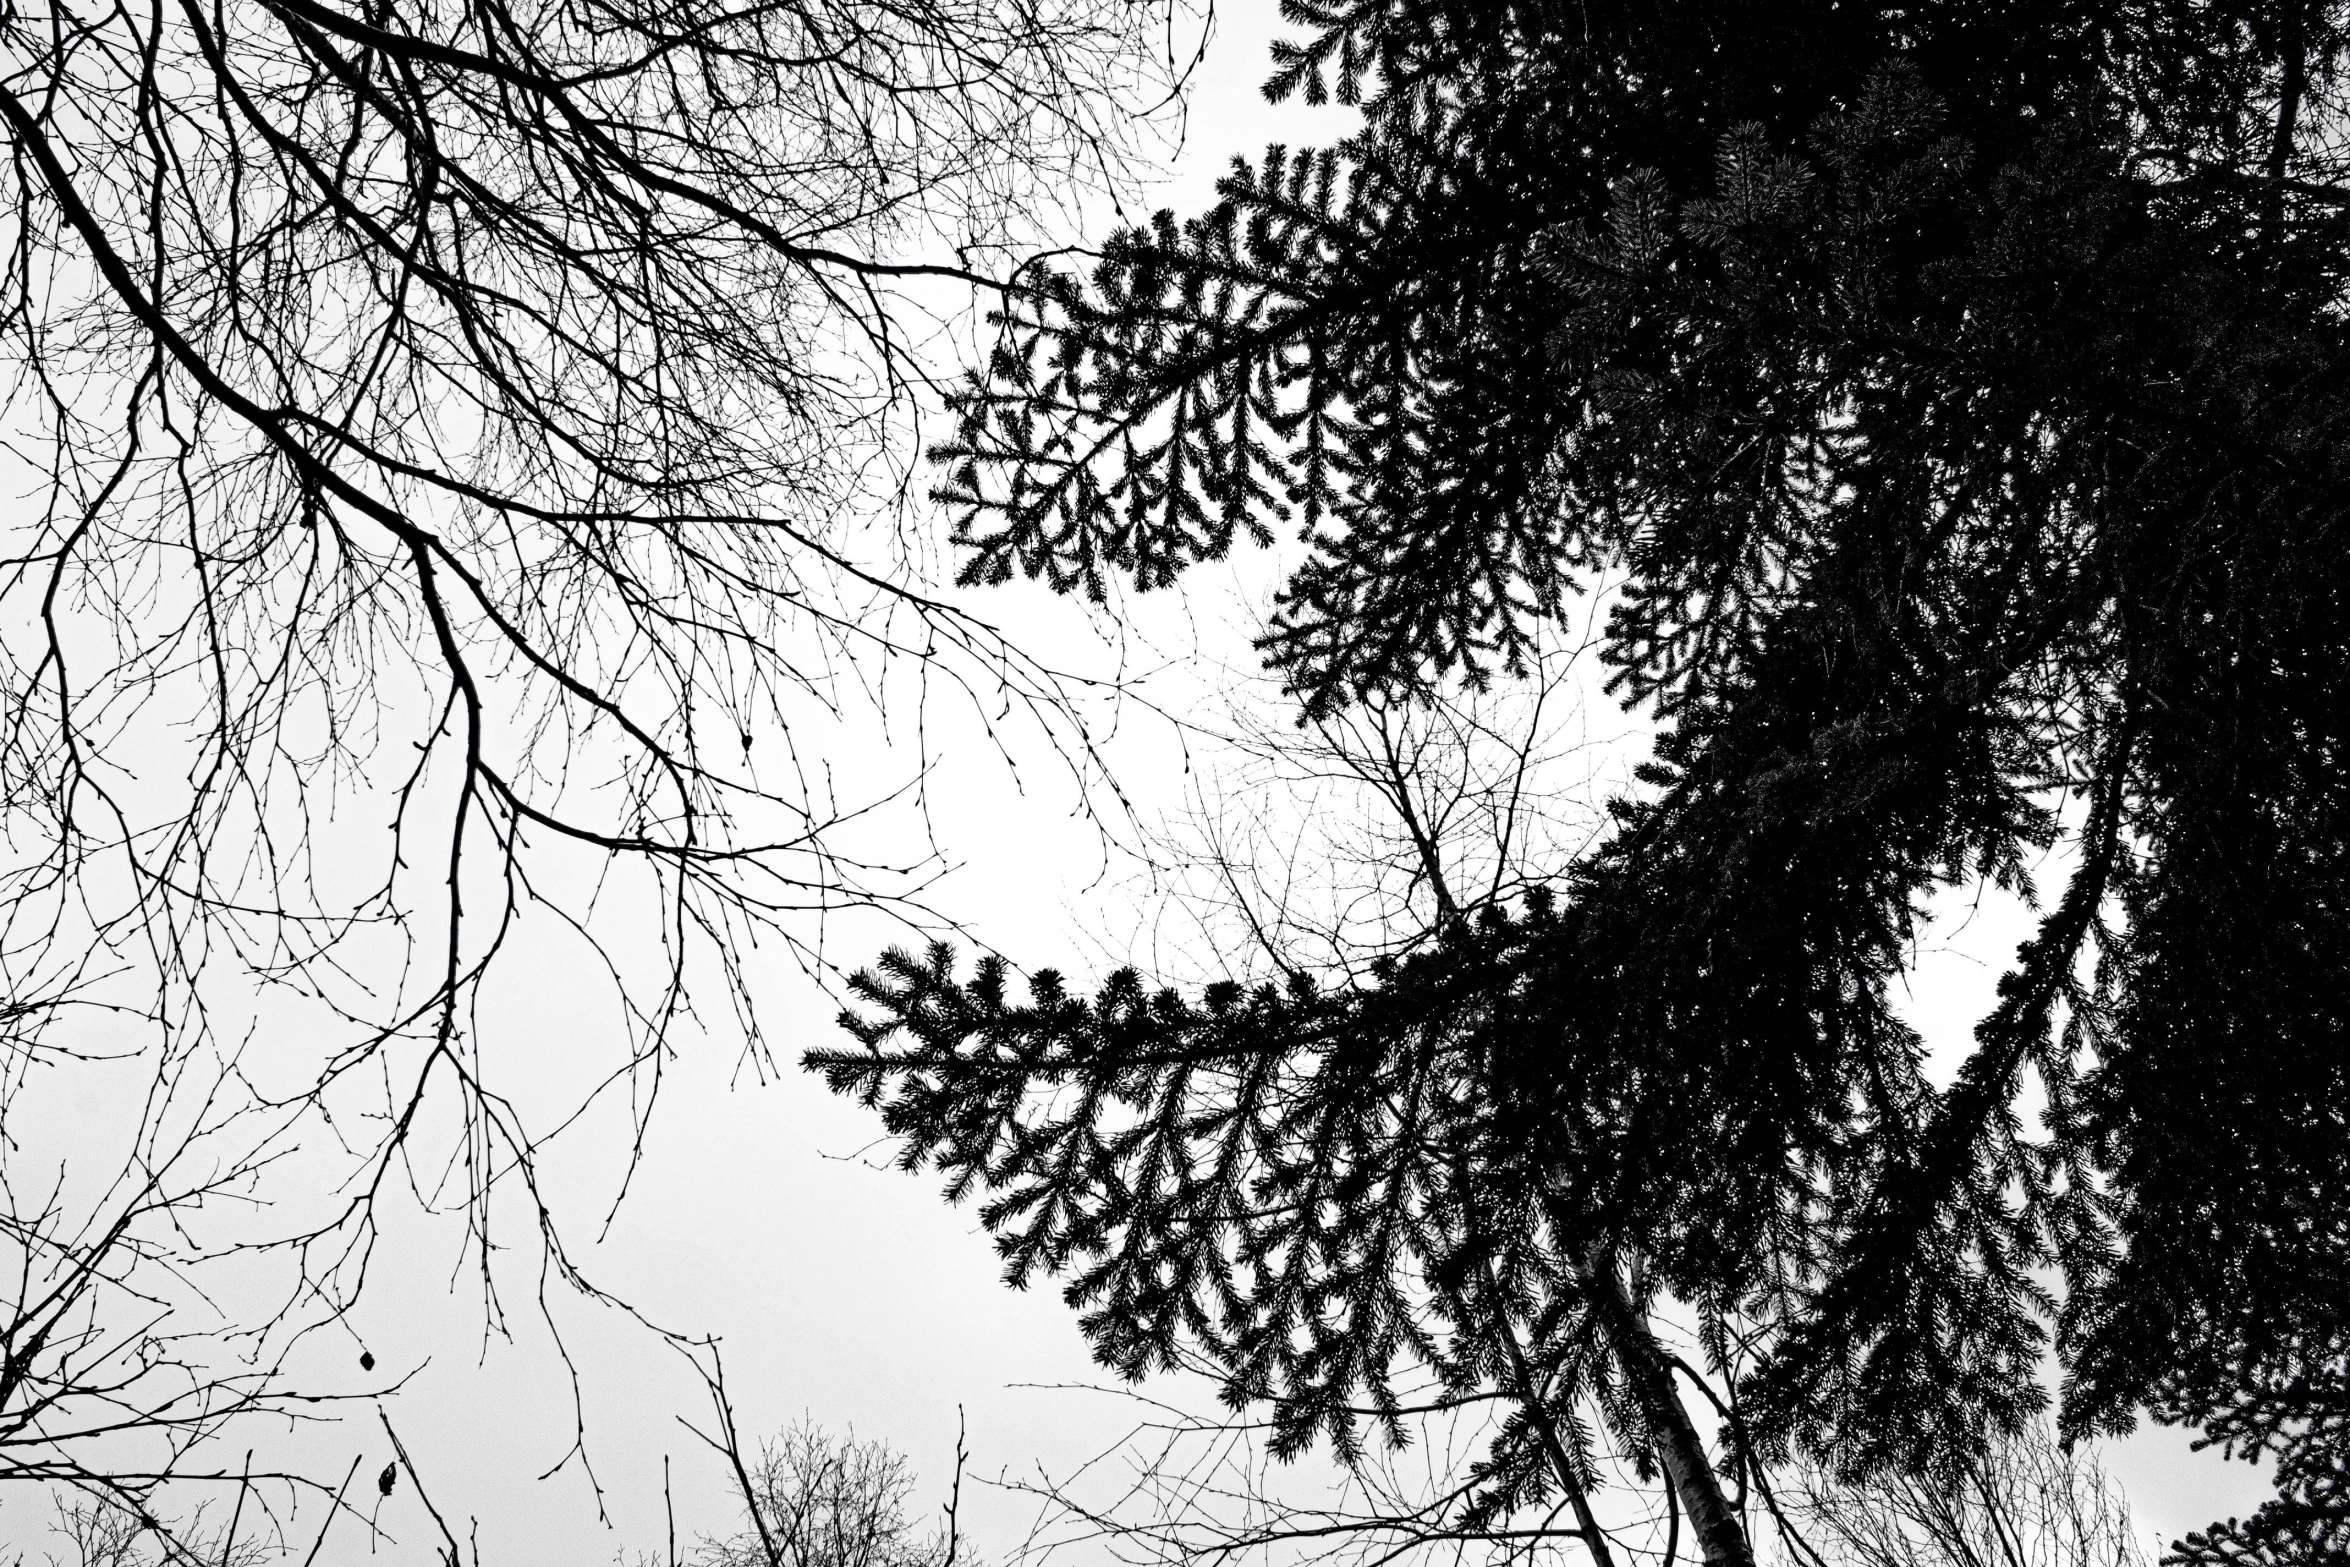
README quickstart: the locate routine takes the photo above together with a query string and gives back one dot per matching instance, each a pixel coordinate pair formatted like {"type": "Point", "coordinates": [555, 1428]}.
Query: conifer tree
{"type": "Point", "coordinates": [1960, 389]}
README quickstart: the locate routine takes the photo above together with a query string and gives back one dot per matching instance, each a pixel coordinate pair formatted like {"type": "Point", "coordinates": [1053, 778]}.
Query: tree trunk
{"type": "Point", "coordinates": [1650, 1376]}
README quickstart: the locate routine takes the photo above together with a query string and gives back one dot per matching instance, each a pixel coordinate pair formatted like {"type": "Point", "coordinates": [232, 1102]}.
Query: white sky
{"type": "Point", "coordinates": [850, 1293]}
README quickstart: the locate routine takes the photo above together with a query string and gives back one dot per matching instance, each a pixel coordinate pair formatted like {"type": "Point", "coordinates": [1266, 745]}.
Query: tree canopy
{"type": "Point", "coordinates": [1958, 392]}
{"type": "Point", "coordinates": [450, 448]}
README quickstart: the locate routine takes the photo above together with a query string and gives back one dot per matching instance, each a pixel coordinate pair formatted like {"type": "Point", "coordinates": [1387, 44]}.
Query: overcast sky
{"type": "Point", "coordinates": [847, 1292]}
{"type": "Point", "coordinates": [843, 1290]}
{"type": "Point", "coordinates": [851, 1293]}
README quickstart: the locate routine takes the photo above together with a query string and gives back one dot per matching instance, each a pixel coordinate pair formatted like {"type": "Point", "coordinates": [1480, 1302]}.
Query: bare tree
{"type": "Point", "coordinates": [108, 1534]}
{"type": "Point", "coordinates": [1188, 1486]}
{"type": "Point", "coordinates": [1332, 842]}
{"type": "Point", "coordinates": [812, 1499]}
{"type": "Point", "coordinates": [453, 444]}
{"type": "Point", "coordinates": [2029, 1502]}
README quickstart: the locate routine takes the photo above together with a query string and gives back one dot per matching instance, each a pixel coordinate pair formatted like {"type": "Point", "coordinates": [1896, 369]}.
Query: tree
{"type": "Point", "coordinates": [1329, 844]}
{"type": "Point", "coordinates": [1559, 1349]}
{"type": "Point", "coordinates": [1188, 1487]}
{"type": "Point", "coordinates": [1959, 389]}
{"type": "Point", "coordinates": [451, 432]}
{"type": "Point", "coordinates": [2029, 1502]}
{"type": "Point", "coordinates": [1191, 1486]}
{"type": "Point", "coordinates": [817, 1500]}
{"type": "Point", "coordinates": [2300, 1417]}
{"type": "Point", "coordinates": [96, 1534]}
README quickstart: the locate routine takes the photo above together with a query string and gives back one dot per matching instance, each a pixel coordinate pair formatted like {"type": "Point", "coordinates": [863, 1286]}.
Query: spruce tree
{"type": "Point", "coordinates": [1960, 390]}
